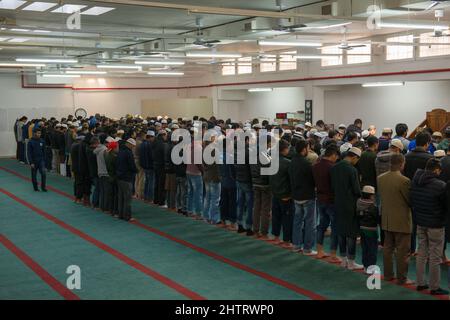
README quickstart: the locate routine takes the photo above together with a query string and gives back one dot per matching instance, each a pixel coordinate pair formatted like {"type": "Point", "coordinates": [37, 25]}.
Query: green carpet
{"type": "Point", "coordinates": [105, 277]}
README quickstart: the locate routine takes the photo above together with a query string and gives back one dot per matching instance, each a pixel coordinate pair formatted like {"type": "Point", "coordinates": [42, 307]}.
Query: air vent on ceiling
{"type": "Point", "coordinates": [326, 10]}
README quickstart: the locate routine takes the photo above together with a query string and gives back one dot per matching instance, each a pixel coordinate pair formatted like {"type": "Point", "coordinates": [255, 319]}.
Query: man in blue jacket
{"type": "Point", "coordinates": [36, 156]}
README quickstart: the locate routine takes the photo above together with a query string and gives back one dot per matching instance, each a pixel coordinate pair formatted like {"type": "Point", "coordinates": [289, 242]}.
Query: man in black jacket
{"type": "Point", "coordinates": [159, 156]}
{"type": "Point", "coordinates": [261, 193]}
{"type": "Point", "coordinates": [428, 200]}
{"type": "Point", "coordinates": [146, 161]}
{"type": "Point", "coordinates": [282, 204]}
{"type": "Point", "coordinates": [303, 193]}
{"type": "Point", "coordinates": [126, 168]}
{"type": "Point", "coordinates": [417, 159]}
{"type": "Point", "coordinates": [93, 170]}
{"type": "Point", "coordinates": [244, 193]}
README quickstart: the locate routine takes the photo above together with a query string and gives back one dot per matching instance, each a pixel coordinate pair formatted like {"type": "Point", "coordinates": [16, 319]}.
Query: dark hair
{"type": "Point", "coordinates": [371, 141]}
{"type": "Point", "coordinates": [300, 146]}
{"type": "Point", "coordinates": [37, 129]}
{"type": "Point", "coordinates": [351, 135]}
{"type": "Point", "coordinates": [433, 164]}
{"type": "Point", "coordinates": [357, 121]}
{"type": "Point", "coordinates": [447, 132]}
{"type": "Point", "coordinates": [94, 140]}
{"type": "Point", "coordinates": [320, 123]}
{"type": "Point", "coordinates": [397, 159]}
{"type": "Point", "coordinates": [332, 133]}
{"type": "Point", "coordinates": [422, 139]}
{"type": "Point", "coordinates": [283, 145]}
{"type": "Point", "coordinates": [401, 129]}
{"type": "Point", "coordinates": [331, 150]}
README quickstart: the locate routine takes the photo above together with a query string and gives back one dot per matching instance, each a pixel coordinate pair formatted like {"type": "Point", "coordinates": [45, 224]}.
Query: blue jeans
{"type": "Point", "coordinates": [327, 215]}
{"type": "Point", "coordinates": [39, 166]}
{"type": "Point", "coordinates": [195, 194]}
{"type": "Point", "coordinates": [245, 201]}
{"type": "Point", "coordinates": [149, 184]}
{"type": "Point", "coordinates": [211, 210]}
{"type": "Point", "coordinates": [96, 192]}
{"type": "Point", "coordinates": [304, 228]}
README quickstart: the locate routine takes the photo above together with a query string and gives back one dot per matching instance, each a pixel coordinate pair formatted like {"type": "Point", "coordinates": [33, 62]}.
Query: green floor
{"type": "Point", "coordinates": [104, 276]}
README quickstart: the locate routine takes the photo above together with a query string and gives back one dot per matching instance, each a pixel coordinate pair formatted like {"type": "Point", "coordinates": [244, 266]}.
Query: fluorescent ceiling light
{"type": "Point", "coordinates": [69, 8]}
{"type": "Point", "coordinates": [41, 31]}
{"type": "Point", "coordinates": [96, 11]}
{"type": "Point", "coordinates": [288, 43]}
{"type": "Point", "coordinates": [152, 73]}
{"type": "Point", "coordinates": [18, 40]}
{"type": "Point", "coordinates": [384, 24]}
{"type": "Point", "coordinates": [85, 72]}
{"type": "Point", "coordinates": [117, 66]}
{"type": "Point", "coordinates": [312, 57]}
{"type": "Point", "coordinates": [19, 30]}
{"type": "Point", "coordinates": [213, 55]}
{"type": "Point", "coordinates": [13, 64]}
{"type": "Point", "coordinates": [260, 90]}
{"type": "Point", "coordinates": [334, 25]}
{"type": "Point", "coordinates": [47, 60]}
{"type": "Point", "coordinates": [39, 6]}
{"type": "Point", "coordinates": [3, 39]}
{"type": "Point", "coordinates": [161, 63]}
{"type": "Point", "coordinates": [383, 84]}
{"type": "Point", "coordinates": [61, 75]}
{"type": "Point", "coordinates": [11, 4]}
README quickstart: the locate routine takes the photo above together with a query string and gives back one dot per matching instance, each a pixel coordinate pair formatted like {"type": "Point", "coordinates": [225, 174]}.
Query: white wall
{"type": "Point", "coordinates": [386, 106]}
{"type": "Point", "coordinates": [262, 104]}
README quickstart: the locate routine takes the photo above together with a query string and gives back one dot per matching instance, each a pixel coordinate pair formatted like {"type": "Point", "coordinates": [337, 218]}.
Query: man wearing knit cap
{"type": "Point", "coordinates": [346, 188]}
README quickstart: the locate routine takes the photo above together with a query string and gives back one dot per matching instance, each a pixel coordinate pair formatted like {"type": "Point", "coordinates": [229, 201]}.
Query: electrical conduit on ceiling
{"type": "Point", "coordinates": [398, 73]}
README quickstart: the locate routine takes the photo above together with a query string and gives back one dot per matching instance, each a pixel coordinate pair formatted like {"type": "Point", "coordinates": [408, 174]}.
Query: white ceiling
{"type": "Point", "coordinates": [133, 29]}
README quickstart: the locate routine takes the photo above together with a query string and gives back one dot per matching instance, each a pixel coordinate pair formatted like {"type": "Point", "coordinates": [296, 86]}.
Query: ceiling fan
{"type": "Point", "coordinates": [199, 41]}
{"type": "Point", "coordinates": [344, 45]}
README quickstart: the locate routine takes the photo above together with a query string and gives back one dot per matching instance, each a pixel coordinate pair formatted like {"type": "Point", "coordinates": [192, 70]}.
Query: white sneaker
{"type": "Point", "coordinates": [310, 253]}
{"type": "Point", "coordinates": [344, 262]}
{"type": "Point", "coordinates": [352, 265]}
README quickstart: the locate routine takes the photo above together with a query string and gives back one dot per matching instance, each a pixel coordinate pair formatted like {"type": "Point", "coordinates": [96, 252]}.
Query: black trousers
{"type": "Point", "coordinates": [282, 217]}
{"type": "Point", "coordinates": [105, 193]}
{"type": "Point", "coordinates": [369, 250]}
{"type": "Point", "coordinates": [40, 166]}
{"type": "Point", "coordinates": [124, 197]}
{"type": "Point", "coordinates": [228, 204]}
{"type": "Point", "coordinates": [160, 181]}
{"type": "Point", "coordinates": [82, 186]}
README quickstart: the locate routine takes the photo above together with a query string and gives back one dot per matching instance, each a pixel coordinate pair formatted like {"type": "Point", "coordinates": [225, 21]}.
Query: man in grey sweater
{"type": "Point", "coordinates": [102, 174]}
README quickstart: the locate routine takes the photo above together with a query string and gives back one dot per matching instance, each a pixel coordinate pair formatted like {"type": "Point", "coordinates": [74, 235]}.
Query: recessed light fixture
{"type": "Point", "coordinates": [154, 73]}
{"type": "Point", "coordinates": [56, 60]}
{"type": "Point", "coordinates": [314, 57]}
{"type": "Point", "coordinates": [46, 75]}
{"type": "Point", "coordinates": [18, 40]}
{"type": "Point", "coordinates": [19, 30]}
{"type": "Point", "coordinates": [85, 72]}
{"type": "Point", "coordinates": [213, 55]}
{"type": "Point", "coordinates": [69, 8]}
{"type": "Point", "coordinates": [260, 90]}
{"type": "Point", "coordinates": [39, 6]}
{"type": "Point", "coordinates": [383, 84]}
{"type": "Point", "coordinates": [96, 11]}
{"type": "Point", "coordinates": [387, 24]}
{"type": "Point", "coordinates": [11, 4]}
{"type": "Point", "coordinates": [118, 66]}
{"type": "Point", "coordinates": [161, 63]}
{"type": "Point", "coordinates": [14, 64]}
{"type": "Point", "coordinates": [288, 43]}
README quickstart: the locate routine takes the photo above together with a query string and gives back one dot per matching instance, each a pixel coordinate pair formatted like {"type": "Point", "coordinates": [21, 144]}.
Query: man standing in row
{"type": "Point", "coordinates": [36, 156]}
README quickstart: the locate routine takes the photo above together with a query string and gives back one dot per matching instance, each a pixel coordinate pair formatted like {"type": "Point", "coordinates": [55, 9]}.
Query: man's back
{"type": "Point", "coordinates": [414, 160]}
{"type": "Point", "coordinates": [393, 188]}
{"type": "Point", "coordinates": [428, 199]}
{"type": "Point", "coordinates": [366, 168]}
